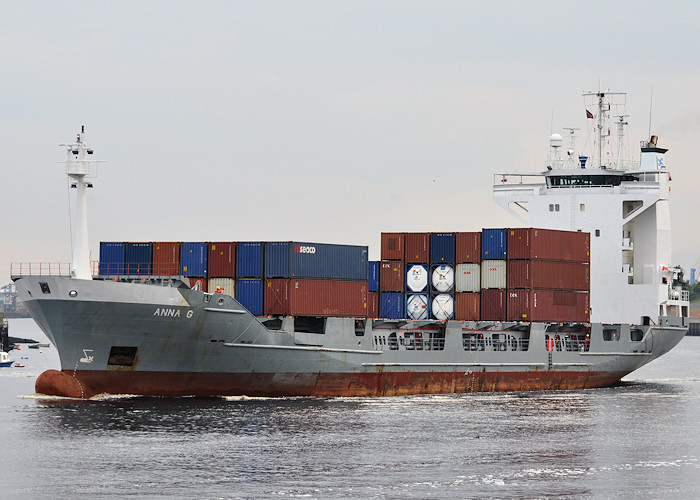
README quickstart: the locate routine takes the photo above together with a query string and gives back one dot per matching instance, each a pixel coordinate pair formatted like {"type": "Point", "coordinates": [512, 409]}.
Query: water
{"type": "Point", "coordinates": [640, 439]}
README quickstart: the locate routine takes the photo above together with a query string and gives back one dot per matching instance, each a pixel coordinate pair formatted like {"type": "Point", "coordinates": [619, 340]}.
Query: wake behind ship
{"type": "Point", "coordinates": [581, 297]}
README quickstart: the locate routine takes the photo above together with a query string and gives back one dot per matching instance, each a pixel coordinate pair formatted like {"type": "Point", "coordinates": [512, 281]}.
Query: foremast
{"type": "Point", "coordinates": [80, 170]}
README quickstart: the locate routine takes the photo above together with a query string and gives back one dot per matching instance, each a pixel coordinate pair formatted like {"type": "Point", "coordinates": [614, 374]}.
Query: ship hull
{"type": "Point", "coordinates": [126, 338]}
{"type": "Point", "coordinates": [87, 384]}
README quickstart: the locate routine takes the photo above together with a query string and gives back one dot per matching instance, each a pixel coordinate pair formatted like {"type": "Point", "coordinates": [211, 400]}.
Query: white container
{"type": "Point", "coordinates": [493, 274]}
{"type": "Point", "coordinates": [417, 278]}
{"type": "Point", "coordinates": [417, 306]}
{"type": "Point", "coordinates": [225, 284]}
{"type": "Point", "coordinates": [468, 278]}
{"type": "Point", "coordinates": [443, 278]}
{"type": "Point", "coordinates": [443, 306]}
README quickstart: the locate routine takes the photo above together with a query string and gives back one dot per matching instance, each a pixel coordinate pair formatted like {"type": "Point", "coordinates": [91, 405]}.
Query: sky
{"type": "Point", "coordinates": [321, 121]}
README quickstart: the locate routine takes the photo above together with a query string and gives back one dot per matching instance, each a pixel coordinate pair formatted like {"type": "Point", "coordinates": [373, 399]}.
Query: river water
{"type": "Point", "coordinates": [638, 439]}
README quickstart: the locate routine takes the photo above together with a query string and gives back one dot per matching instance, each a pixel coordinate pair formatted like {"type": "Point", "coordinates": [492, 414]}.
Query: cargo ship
{"type": "Point", "coordinates": [580, 296]}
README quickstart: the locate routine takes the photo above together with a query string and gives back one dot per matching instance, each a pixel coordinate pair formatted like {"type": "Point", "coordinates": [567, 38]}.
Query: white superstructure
{"type": "Point", "coordinates": [623, 204]}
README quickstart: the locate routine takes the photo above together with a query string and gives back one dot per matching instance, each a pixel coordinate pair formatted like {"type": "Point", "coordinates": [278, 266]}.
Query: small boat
{"type": "Point", "coordinates": [5, 360]}
{"type": "Point", "coordinates": [44, 345]}
{"type": "Point", "coordinates": [33, 346]}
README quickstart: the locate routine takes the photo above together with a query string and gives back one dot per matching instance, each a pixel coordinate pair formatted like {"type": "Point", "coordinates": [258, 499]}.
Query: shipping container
{"type": "Point", "coordinates": [391, 305]}
{"type": "Point", "coordinates": [493, 244]}
{"type": "Point", "coordinates": [442, 248]}
{"type": "Point", "coordinates": [548, 305]}
{"type": "Point", "coordinates": [226, 286]}
{"type": "Point", "coordinates": [417, 248]}
{"type": "Point", "coordinates": [442, 306]}
{"type": "Point", "coordinates": [166, 258]}
{"type": "Point", "coordinates": [312, 297]}
{"type": "Point", "coordinates": [543, 274]}
{"type": "Point", "coordinates": [294, 259]}
{"type": "Point", "coordinates": [468, 248]}
{"type": "Point", "coordinates": [221, 261]}
{"type": "Point", "coordinates": [373, 276]}
{"type": "Point", "coordinates": [197, 283]}
{"type": "Point", "coordinates": [468, 278]}
{"type": "Point", "coordinates": [193, 259]}
{"type": "Point", "coordinates": [249, 259]}
{"type": "Point", "coordinates": [372, 305]}
{"type": "Point", "coordinates": [493, 274]}
{"type": "Point", "coordinates": [392, 246]}
{"type": "Point", "coordinates": [493, 305]}
{"type": "Point", "coordinates": [548, 244]}
{"type": "Point", "coordinates": [442, 278]}
{"type": "Point", "coordinates": [467, 306]}
{"type": "Point", "coordinates": [391, 276]}
{"type": "Point", "coordinates": [138, 259]}
{"type": "Point", "coordinates": [249, 292]}
{"type": "Point", "coordinates": [417, 306]}
{"type": "Point", "coordinates": [417, 278]}
{"type": "Point", "coordinates": [111, 258]}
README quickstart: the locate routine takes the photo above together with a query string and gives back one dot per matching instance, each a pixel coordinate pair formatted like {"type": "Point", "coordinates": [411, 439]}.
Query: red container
{"type": "Point", "coordinates": [467, 306]}
{"type": "Point", "coordinates": [468, 248]}
{"type": "Point", "coordinates": [493, 305]}
{"type": "Point", "coordinates": [548, 305]}
{"type": "Point", "coordinates": [392, 246]}
{"type": "Point", "coordinates": [548, 244]}
{"type": "Point", "coordinates": [221, 260]}
{"type": "Point", "coordinates": [372, 305]}
{"type": "Point", "coordinates": [417, 248]}
{"type": "Point", "coordinates": [202, 283]}
{"type": "Point", "coordinates": [166, 258]}
{"type": "Point", "coordinates": [545, 274]}
{"type": "Point", "coordinates": [302, 297]}
{"type": "Point", "coordinates": [391, 276]}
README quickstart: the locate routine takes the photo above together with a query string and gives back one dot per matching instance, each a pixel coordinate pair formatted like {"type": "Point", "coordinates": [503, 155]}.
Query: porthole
{"type": "Point", "coordinates": [73, 293]}
{"type": "Point", "coordinates": [221, 301]}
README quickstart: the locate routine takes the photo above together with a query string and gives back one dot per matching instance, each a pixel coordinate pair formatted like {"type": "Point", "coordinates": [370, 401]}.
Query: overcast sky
{"type": "Point", "coordinates": [321, 121]}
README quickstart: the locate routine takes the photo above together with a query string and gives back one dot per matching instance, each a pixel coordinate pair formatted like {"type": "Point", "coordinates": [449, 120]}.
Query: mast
{"type": "Point", "coordinates": [79, 169]}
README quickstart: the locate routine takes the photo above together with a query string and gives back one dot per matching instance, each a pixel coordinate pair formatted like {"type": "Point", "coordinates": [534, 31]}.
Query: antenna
{"type": "Point", "coordinates": [651, 99]}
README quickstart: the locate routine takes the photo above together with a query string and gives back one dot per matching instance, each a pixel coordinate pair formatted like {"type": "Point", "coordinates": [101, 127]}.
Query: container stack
{"type": "Point", "coordinates": [442, 278]}
{"type": "Point", "coordinates": [315, 279]}
{"type": "Point", "coordinates": [221, 261]}
{"type": "Point", "coordinates": [548, 275]}
{"type": "Point", "coordinates": [391, 276]}
{"type": "Point", "coordinates": [493, 275]}
{"type": "Point", "coordinates": [468, 276]}
{"type": "Point", "coordinates": [249, 275]}
{"type": "Point", "coordinates": [417, 269]}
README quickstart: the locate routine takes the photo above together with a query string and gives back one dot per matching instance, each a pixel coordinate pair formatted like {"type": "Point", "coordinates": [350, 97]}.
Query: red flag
{"type": "Point", "coordinates": [589, 114]}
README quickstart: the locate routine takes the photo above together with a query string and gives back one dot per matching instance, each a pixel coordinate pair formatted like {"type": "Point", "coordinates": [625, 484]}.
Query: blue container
{"type": "Point", "coordinates": [493, 244]}
{"type": "Point", "coordinates": [443, 248]}
{"type": "Point", "coordinates": [249, 292]}
{"type": "Point", "coordinates": [391, 305]}
{"type": "Point", "coordinates": [111, 258]}
{"type": "Point", "coordinates": [249, 259]}
{"type": "Point", "coordinates": [295, 259]}
{"type": "Point", "coordinates": [373, 276]}
{"type": "Point", "coordinates": [278, 263]}
{"type": "Point", "coordinates": [193, 259]}
{"type": "Point", "coordinates": [138, 259]}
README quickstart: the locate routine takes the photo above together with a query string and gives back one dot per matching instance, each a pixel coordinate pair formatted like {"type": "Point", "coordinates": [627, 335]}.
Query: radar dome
{"type": "Point", "coordinates": [555, 141]}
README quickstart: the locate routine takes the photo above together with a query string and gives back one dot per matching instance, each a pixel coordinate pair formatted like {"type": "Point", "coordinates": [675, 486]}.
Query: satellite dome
{"type": "Point", "coordinates": [555, 141]}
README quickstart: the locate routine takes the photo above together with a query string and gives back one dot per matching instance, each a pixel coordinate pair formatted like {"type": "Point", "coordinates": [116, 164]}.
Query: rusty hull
{"type": "Point", "coordinates": [83, 384]}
